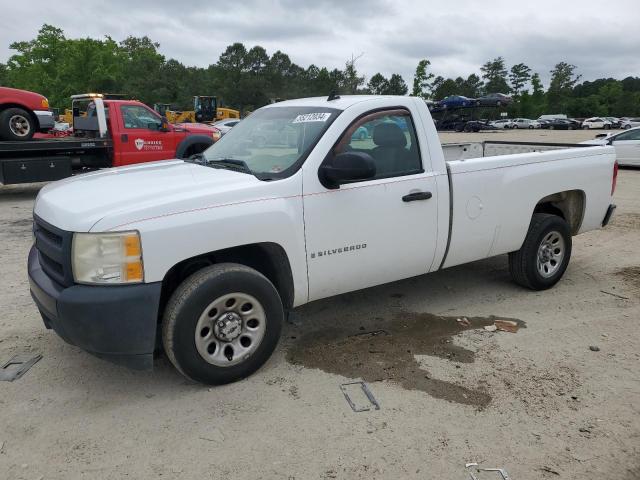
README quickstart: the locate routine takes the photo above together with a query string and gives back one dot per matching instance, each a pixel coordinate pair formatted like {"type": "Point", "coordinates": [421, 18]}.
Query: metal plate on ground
{"type": "Point", "coordinates": [17, 366]}
{"type": "Point", "coordinates": [359, 397]}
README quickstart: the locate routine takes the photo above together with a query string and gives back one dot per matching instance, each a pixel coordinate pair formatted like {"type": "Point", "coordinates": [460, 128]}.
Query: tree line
{"type": "Point", "coordinates": [248, 78]}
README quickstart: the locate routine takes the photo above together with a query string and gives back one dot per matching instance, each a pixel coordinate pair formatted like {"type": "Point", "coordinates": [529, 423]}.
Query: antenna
{"type": "Point", "coordinates": [333, 96]}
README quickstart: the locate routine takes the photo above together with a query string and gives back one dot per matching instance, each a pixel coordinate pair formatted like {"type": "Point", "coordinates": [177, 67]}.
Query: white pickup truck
{"type": "Point", "coordinates": [302, 200]}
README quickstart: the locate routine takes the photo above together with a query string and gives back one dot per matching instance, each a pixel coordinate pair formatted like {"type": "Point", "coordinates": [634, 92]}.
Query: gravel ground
{"type": "Point", "coordinates": [539, 402]}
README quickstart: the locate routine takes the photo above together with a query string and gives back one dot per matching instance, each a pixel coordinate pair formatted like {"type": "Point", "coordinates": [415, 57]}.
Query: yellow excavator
{"type": "Point", "coordinates": [205, 110]}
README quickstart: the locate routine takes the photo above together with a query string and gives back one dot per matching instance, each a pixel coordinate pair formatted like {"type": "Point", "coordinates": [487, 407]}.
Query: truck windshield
{"type": "Point", "coordinates": [272, 142]}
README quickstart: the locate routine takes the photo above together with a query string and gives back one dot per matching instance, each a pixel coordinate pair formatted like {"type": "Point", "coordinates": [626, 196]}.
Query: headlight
{"type": "Point", "coordinates": [45, 103]}
{"type": "Point", "coordinates": [111, 258]}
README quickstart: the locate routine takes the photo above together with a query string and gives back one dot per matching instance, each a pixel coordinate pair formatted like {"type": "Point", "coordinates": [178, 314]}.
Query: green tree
{"type": "Point", "coordinates": [472, 86]}
{"type": "Point", "coordinates": [351, 80]}
{"type": "Point", "coordinates": [3, 74]}
{"type": "Point", "coordinates": [378, 84]}
{"type": "Point", "coordinates": [397, 85]}
{"type": "Point", "coordinates": [423, 80]}
{"type": "Point", "coordinates": [519, 75]}
{"type": "Point", "coordinates": [445, 88]}
{"type": "Point", "coordinates": [494, 74]}
{"type": "Point", "coordinates": [563, 80]}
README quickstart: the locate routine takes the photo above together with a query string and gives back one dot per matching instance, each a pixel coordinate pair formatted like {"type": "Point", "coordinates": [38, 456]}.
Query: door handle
{"type": "Point", "coordinates": [412, 197]}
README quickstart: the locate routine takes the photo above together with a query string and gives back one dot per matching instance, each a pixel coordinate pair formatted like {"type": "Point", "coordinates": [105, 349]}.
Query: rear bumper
{"type": "Point", "coordinates": [45, 119]}
{"type": "Point", "coordinates": [117, 323]}
{"type": "Point", "coordinates": [608, 215]}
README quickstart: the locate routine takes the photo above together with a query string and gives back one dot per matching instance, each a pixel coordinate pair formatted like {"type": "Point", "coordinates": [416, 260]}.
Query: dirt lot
{"type": "Point", "coordinates": [538, 402]}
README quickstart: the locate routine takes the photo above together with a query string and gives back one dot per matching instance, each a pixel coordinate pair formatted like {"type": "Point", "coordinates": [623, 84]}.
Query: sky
{"type": "Point", "coordinates": [602, 39]}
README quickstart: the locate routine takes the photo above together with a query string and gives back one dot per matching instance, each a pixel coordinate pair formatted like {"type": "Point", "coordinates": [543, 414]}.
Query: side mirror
{"type": "Point", "coordinates": [346, 167]}
{"type": "Point", "coordinates": [165, 125]}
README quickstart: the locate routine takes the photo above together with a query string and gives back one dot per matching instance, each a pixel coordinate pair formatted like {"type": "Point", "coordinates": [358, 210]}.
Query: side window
{"type": "Point", "coordinates": [135, 116]}
{"type": "Point", "coordinates": [390, 138]}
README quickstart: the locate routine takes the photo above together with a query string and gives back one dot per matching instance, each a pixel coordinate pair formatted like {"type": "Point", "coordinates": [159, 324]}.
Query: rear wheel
{"type": "Point", "coordinates": [222, 323]}
{"type": "Point", "coordinates": [16, 124]}
{"type": "Point", "coordinates": [544, 255]}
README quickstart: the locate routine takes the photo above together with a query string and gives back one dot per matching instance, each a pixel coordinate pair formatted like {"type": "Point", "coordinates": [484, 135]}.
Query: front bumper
{"type": "Point", "coordinates": [45, 119]}
{"type": "Point", "coordinates": [117, 323]}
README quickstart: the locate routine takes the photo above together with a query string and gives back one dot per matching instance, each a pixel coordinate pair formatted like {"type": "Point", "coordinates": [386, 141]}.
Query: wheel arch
{"type": "Point", "coordinates": [569, 205]}
{"type": "Point", "coordinates": [270, 259]}
{"type": "Point", "coordinates": [186, 145]}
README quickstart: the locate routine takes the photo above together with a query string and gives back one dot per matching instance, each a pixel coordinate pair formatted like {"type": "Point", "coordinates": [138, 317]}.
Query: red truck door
{"type": "Point", "coordinates": [140, 138]}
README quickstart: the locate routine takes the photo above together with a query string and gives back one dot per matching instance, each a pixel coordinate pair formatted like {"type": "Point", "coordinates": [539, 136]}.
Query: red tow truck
{"type": "Point", "coordinates": [107, 132]}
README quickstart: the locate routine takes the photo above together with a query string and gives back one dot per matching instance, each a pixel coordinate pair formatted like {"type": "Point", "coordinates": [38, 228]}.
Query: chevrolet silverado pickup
{"type": "Point", "coordinates": [205, 257]}
{"type": "Point", "coordinates": [107, 132]}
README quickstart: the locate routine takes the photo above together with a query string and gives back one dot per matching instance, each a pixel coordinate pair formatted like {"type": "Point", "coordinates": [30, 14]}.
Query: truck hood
{"type": "Point", "coordinates": [197, 128]}
{"type": "Point", "coordinates": [123, 195]}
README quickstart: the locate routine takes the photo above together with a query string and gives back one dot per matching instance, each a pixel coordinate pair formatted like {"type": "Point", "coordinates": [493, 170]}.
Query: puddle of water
{"type": "Point", "coordinates": [386, 352]}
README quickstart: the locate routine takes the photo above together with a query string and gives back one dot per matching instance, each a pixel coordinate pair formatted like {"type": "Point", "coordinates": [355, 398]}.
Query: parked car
{"type": "Point", "coordinates": [525, 123]}
{"type": "Point", "coordinates": [552, 116]}
{"type": "Point", "coordinates": [596, 122]}
{"type": "Point", "coordinates": [225, 125]}
{"type": "Point", "coordinates": [209, 255]}
{"type": "Point", "coordinates": [630, 123]}
{"type": "Point", "coordinates": [502, 124]}
{"type": "Point", "coordinates": [455, 101]}
{"type": "Point", "coordinates": [494, 100]}
{"type": "Point", "coordinates": [626, 143]}
{"type": "Point", "coordinates": [560, 124]}
{"type": "Point", "coordinates": [23, 113]}
{"type": "Point", "coordinates": [476, 126]}
{"type": "Point", "coordinates": [615, 122]}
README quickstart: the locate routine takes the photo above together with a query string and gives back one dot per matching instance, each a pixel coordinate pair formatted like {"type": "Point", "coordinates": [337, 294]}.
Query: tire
{"type": "Point", "coordinates": [548, 235]}
{"type": "Point", "coordinates": [226, 288]}
{"type": "Point", "coordinates": [627, 127]}
{"type": "Point", "coordinates": [531, 127]}
{"type": "Point", "coordinates": [585, 127]}
{"type": "Point", "coordinates": [16, 124]}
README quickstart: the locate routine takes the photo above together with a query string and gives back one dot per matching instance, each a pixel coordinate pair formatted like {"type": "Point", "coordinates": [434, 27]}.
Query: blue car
{"type": "Point", "coordinates": [454, 101]}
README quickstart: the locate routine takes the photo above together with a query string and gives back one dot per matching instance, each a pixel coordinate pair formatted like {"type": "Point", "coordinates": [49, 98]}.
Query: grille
{"type": "Point", "coordinates": [54, 251]}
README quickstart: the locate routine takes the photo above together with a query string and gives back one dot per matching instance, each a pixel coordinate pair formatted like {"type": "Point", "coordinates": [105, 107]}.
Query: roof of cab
{"type": "Point", "coordinates": [341, 103]}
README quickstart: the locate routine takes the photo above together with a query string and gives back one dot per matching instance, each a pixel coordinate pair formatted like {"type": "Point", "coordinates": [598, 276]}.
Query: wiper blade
{"type": "Point", "coordinates": [231, 164]}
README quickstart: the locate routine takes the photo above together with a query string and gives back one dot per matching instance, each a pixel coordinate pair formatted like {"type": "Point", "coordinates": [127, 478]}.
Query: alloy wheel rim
{"type": "Point", "coordinates": [550, 254]}
{"type": "Point", "coordinates": [19, 125]}
{"type": "Point", "coordinates": [230, 329]}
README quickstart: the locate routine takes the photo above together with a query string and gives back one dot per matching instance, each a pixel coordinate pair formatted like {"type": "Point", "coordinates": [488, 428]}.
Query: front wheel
{"type": "Point", "coordinates": [16, 124]}
{"type": "Point", "coordinates": [544, 255]}
{"type": "Point", "coordinates": [222, 323]}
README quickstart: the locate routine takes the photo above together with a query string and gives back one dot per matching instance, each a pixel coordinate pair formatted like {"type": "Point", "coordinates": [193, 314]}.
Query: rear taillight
{"type": "Point", "coordinates": [614, 180]}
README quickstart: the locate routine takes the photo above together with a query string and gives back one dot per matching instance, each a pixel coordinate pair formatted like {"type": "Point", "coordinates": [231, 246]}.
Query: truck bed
{"type": "Point", "coordinates": [494, 196]}
{"type": "Point", "coordinates": [40, 160]}
{"type": "Point", "coordinates": [467, 150]}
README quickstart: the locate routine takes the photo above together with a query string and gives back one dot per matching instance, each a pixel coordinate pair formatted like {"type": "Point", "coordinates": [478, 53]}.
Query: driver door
{"type": "Point", "coordinates": [377, 230]}
{"type": "Point", "coordinates": [142, 139]}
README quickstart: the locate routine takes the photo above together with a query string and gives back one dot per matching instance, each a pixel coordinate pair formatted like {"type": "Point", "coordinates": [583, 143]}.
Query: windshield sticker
{"type": "Point", "coordinates": [312, 117]}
